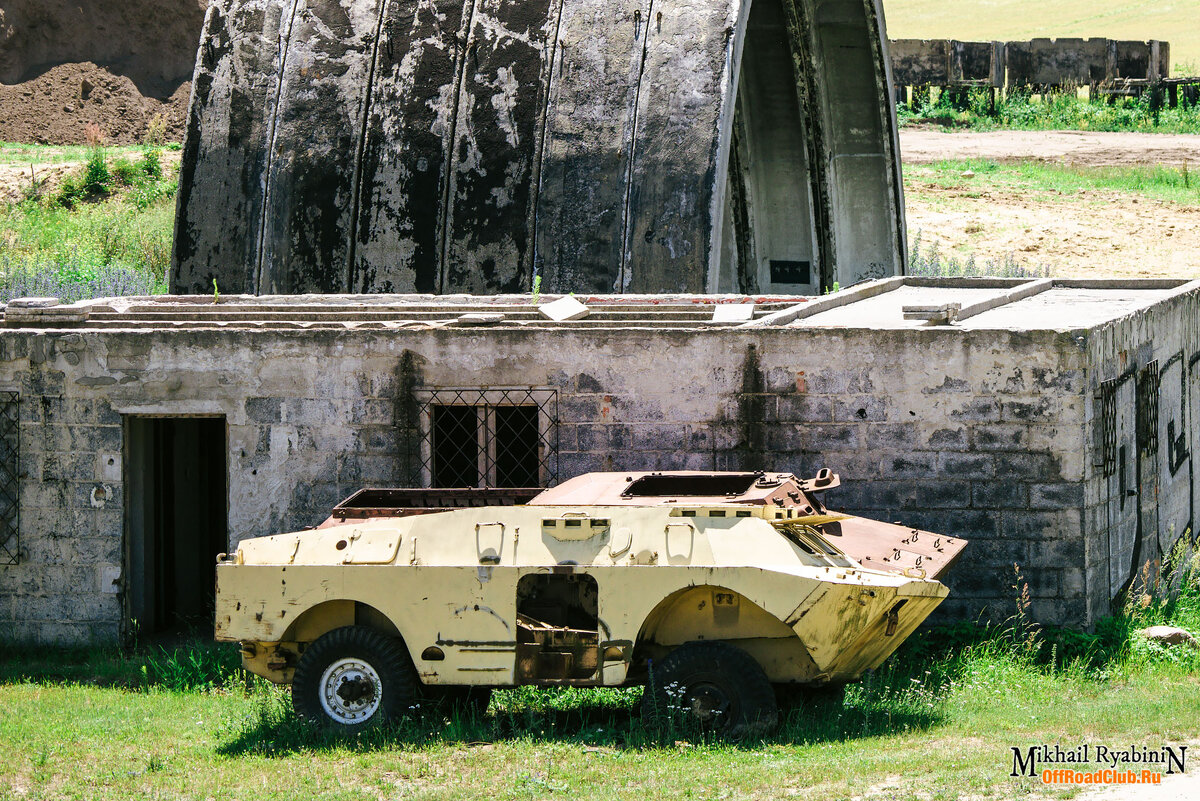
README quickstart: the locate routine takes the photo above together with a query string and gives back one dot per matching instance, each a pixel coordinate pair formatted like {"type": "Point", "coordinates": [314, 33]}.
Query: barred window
{"type": "Point", "coordinates": [489, 437]}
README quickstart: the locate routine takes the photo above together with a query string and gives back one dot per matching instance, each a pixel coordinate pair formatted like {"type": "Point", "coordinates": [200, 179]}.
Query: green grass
{"type": "Point", "coordinates": [1048, 180]}
{"type": "Point", "coordinates": [22, 154]}
{"type": "Point", "coordinates": [1066, 111]}
{"type": "Point", "coordinates": [106, 230]}
{"type": "Point", "coordinates": [936, 722]}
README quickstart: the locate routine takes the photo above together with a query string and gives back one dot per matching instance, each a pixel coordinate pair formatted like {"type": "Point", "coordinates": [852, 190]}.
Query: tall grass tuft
{"type": "Point", "coordinates": [193, 667]}
{"type": "Point", "coordinates": [931, 262]}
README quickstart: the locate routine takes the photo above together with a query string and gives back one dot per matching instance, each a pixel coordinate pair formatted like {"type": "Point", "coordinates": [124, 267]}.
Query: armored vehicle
{"type": "Point", "coordinates": [709, 588]}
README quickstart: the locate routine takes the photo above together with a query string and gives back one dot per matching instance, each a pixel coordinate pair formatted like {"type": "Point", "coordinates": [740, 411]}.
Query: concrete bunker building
{"type": "Point", "coordinates": [672, 146]}
{"type": "Point", "coordinates": [1052, 423]}
{"type": "Point", "coordinates": [470, 145]}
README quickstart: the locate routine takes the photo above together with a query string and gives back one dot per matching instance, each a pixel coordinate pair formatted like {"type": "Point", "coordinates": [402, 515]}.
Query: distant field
{"type": "Point", "coordinates": [1174, 21]}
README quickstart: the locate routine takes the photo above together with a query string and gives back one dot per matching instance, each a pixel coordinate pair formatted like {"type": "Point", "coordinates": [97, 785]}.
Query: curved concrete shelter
{"type": "Point", "coordinates": [471, 145]}
{"type": "Point", "coordinates": [1051, 423]}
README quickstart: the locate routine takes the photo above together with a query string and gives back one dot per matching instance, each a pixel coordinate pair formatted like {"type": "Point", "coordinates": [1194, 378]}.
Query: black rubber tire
{"type": "Point", "coordinates": [399, 688]}
{"type": "Point", "coordinates": [702, 676]}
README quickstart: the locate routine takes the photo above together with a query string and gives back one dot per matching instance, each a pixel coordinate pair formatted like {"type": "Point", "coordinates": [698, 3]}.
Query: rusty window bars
{"type": "Point", "coordinates": [489, 438]}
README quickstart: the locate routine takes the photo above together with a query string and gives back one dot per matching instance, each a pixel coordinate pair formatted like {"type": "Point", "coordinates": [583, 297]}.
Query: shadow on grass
{"type": "Point", "coordinates": [275, 731]}
{"type": "Point", "coordinates": [178, 663]}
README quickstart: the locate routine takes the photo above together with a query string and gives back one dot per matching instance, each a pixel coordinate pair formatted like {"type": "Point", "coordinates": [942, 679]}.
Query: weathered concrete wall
{"type": "Point", "coordinates": [380, 145]}
{"type": "Point", "coordinates": [1141, 483]}
{"type": "Point", "coordinates": [946, 62]}
{"type": "Point", "coordinates": [1054, 62]}
{"type": "Point", "coordinates": [977, 434]}
{"type": "Point", "coordinates": [1031, 63]}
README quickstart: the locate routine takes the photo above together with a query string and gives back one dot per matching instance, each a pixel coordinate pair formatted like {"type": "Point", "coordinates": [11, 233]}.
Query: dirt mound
{"type": "Point", "coordinates": [151, 42]}
{"type": "Point", "coordinates": [115, 63]}
{"type": "Point", "coordinates": [56, 107]}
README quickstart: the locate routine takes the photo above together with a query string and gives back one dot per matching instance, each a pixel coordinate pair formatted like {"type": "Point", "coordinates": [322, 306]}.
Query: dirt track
{"type": "Point", "coordinates": [1080, 148]}
{"type": "Point", "coordinates": [1084, 233]}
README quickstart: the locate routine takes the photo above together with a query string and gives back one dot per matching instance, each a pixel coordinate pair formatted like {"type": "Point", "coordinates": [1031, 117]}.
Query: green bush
{"type": "Point", "coordinates": [151, 164]}
{"type": "Point", "coordinates": [70, 191]}
{"type": "Point", "coordinates": [96, 176]}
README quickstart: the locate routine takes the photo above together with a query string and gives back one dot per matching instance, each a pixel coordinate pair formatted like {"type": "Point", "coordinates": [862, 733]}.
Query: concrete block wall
{"type": "Point", "coordinates": [989, 445]}
{"type": "Point", "coordinates": [1135, 516]}
{"type": "Point", "coordinates": [71, 519]}
{"type": "Point", "coordinates": [976, 434]}
{"type": "Point", "coordinates": [302, 434]}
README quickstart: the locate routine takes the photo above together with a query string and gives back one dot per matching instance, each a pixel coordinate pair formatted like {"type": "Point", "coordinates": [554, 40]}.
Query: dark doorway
{"type": "Point", "coordinates": [175, 520]}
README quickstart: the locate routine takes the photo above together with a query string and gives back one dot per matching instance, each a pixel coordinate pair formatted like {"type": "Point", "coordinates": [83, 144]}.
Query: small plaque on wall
{"type": "Point", "coordinates": [790, 272]}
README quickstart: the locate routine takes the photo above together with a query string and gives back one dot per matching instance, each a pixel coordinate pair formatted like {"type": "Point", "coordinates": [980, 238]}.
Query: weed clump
{"type": "Point", "coordinates": [932, 262]}
{"type": "Point", "coordinates": [156, 132]}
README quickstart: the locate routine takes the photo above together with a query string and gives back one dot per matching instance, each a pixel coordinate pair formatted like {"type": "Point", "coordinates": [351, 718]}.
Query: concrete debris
{"type": "Point", "coordinates": [565, 309]}
{"type": "Point", "coordinates": [1169, 635]}
{"type": "Point", "coordinates": [480, 318]}
{"type": "Point", "coordinates": [733, 312]}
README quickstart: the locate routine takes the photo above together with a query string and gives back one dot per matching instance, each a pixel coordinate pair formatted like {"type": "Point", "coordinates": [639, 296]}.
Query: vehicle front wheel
{"type": "Point", "coordinates": [713, 686]}
{"type": "Point", "coordinates": [354, 677]}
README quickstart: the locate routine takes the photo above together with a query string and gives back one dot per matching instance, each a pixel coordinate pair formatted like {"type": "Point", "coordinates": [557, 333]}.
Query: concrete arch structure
{"type": "Point", "coordinates": [468, 145]}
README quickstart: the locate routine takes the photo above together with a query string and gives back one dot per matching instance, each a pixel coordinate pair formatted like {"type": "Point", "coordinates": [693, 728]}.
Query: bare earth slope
{"type": "Point", "coordinates": [1084, 233]}
{"type": "Point", "coordinates": [151, 42]}
{"type": "Point", "coordinates": [115, 63]}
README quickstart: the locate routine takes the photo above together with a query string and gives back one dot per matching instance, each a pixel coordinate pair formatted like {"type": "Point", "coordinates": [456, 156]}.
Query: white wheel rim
{"type": "Point", "coordinates": [351, 691]}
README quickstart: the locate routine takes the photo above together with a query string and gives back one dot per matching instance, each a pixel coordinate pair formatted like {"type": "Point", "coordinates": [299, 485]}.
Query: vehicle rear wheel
{"type": "Point", "coordinates": [353, 678]}
{"type": "Point", "coordinates": [713, 686]}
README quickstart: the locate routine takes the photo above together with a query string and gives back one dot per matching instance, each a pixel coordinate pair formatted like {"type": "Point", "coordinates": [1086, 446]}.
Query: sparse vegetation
{"type": "Point", "coordinates": [942, 714]}
{"type": "Point", "coordinates": [1055, 111]}
{"type": "Point", "coordinates": [1155, 181]}
{"type": "Point", "coordinates": [928, 261]}
{"type": "Point", "coordinates": [104, 230]}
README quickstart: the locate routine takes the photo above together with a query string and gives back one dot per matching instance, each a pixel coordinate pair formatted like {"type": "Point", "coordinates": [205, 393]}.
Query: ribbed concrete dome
{"type": "Point", "coordinates": [469, 145]}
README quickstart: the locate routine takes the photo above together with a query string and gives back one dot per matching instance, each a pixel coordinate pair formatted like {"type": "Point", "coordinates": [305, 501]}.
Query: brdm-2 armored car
{"type": "Point", "coordinates": [716, 585]}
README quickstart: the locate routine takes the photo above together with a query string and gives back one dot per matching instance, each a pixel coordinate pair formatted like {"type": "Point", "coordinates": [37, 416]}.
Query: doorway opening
{"type": "Point", "coordinates": [770, 239]}
{"type": "Point", "coordinates": [176, 521]}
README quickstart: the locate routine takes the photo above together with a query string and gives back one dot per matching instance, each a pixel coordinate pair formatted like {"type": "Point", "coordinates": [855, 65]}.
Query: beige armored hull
{"type": "Point", "coordinates": [619, 587]}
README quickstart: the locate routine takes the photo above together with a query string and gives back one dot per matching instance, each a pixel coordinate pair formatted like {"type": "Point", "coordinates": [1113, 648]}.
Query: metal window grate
{"type": "Point", "coordinates": [489, 437]}
{"type": "Point", "coordinates": [1147, 409]}
{"type": "Point", "coordinates": [1108, 427]}
{"type": "Point", "coordinates": [10, 466]}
